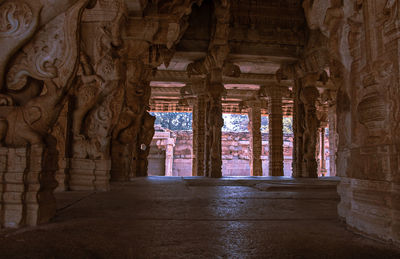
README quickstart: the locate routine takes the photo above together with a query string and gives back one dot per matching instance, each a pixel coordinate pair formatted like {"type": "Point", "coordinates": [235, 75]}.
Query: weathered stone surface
{"type": "Point", "coordinates": [189, 214]}
{"type": "Point", "coordinates": [75, 94]}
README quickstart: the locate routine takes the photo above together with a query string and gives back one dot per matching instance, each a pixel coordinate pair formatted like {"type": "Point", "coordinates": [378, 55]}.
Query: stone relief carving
{"type": "Point", "coordinates": [50, 57]}
{"type": "Point", "coordinates": [37, 83]}
{"type": "Point", "coordinates": [18, 23]}
{"type": "Point", "coordinates": [98, 96]}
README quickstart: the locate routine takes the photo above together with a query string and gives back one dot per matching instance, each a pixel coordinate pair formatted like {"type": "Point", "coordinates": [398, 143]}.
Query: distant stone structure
{"type": "Point", "coordinates": [235, 154]}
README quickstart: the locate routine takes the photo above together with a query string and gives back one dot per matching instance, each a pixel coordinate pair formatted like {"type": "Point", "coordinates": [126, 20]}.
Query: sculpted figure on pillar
{"type": "Point", "coordinates": [131, 135]}
{"type": "Point", "coordinates": [98, 95]}
{"type": "Point", "coordinates": [309, 95]}
{"type": "Point", "coordinates": [363, 50]}
{"type": "Point", "coordinates": [40, 50]}
{"type": "Point", "coordinates": [149, 43]}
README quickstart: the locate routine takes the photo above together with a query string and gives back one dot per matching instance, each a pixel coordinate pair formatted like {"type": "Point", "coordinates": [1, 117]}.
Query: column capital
{"type": "Point", "coordinates": [253, 104]}
{"type": "Point", "coordinates": [274, 91]}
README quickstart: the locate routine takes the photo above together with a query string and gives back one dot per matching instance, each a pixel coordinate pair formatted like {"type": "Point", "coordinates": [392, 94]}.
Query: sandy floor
{"type": "Point", "coordinates": [160, 217]}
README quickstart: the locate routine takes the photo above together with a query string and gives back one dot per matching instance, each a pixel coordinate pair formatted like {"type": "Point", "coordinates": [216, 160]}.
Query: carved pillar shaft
{"type": "Point", "coordinates": [306, 131]}
{"type": "Point", "coordinates": [60, 132]}
{"type": "Point", "coordinates": [169, 158]}
{"type": "Point", "coordinates": [215, 123]}
{"type": "Point", "coordinates": [298, 129]}
{"type": "Point", "coordinates": [332, 140]}
{"type": "Point", "coordinates": [199, 127]}
{"type": "Point", "coordinates": [310, 165]}
{"type": "Point", "coordinates": [255, 140]}
{"type": "Point", "coordinates": [275, 136]}
{"type": "Point", "coordinates": [322, 160]}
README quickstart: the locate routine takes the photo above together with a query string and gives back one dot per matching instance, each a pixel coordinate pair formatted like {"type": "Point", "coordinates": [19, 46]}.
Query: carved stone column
{"type": "Point", "coordinates": [298, 130]}
{"type": "Point", "coordinates": [255, 139]}
{"type": "Point", "coordinates": [198, 126]}
{"type": "Point", "coordinates": [60, 132]}
{"type": "Point", "coordinates": [275, 131]}
{"type": "Point", "coordinates": [169, 157]}
{"type": "Point", "coordinates": [215, 122]}
{"type": "Point", "coordinates": [322, 152]}
{"type": "Point", "coordinates": [309, 95]}
{"type": "Point", "coordinates": [98, 96]}
{"type": "Point", "coordinates": [333, 140]}
{"type": "Point", "coordinates": [28, 156]}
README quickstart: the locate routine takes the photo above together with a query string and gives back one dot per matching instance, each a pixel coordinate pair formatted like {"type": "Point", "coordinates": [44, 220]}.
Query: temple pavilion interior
{"type": "Point", "coordinates": [86, 171]}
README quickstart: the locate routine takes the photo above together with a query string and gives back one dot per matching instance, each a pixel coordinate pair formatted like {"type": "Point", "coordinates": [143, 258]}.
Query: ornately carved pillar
{"type": "Point", "coordinates": [298, 129]}
{"type": "Point", "coordinates": [275, 131]}
{"type": "Point", "coordinates": [333, 140]}
{"type": "Point", "coordinates": [169, 156]}
{"type": "Point", "coordinates": [215, 123]}
{"type": "Point", "coordinates": [309, 95]}
{"type": "Point", "coordinates": [98, 97]}
{"type": "Point", "coordinates": [60, 132]}
{"type": "Point", "coordinates": [255, 139]}
{"type": "Point", "coordinates": [32, 44]}
{"type": "Point", "coordinates": [322, 152]}
{"type": "Point", "coordinates": [198, 126]}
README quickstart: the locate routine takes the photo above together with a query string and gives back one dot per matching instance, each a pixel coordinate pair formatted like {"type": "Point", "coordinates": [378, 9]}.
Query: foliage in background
{"type": "Point", "coordinates": [232, 122]}
{"type": "Point", "coordinates": [235, 122]}
{"type": "Point", "coordinates": [174, 120]}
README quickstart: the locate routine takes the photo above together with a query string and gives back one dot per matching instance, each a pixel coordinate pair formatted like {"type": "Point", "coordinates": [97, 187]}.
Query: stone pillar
{"type": "Point", "coordinates": [308, 96]}
{"type": "Point", "coordinates": [255, 139]}
{"type": "Point", "coordinates": [169, 156]}
{"type": "Point", "coordinates": [322, 152]}
{"type": "Point", "coordinates": [298, 130]}
{"type": "Point", "coordinates": [275, 132]}
{"type": "Point", "coordinates": [215, 123]}
{"type": "Point", "coordinates": [333, 139]}
{"type": "Point", "coordinates": [199, 103]}
{"type": "Point", "coordinates": [60, 132]}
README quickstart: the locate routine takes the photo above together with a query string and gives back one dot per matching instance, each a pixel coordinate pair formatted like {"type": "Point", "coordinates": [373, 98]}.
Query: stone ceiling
{"type": "Point", "coordinates": [263, 35]}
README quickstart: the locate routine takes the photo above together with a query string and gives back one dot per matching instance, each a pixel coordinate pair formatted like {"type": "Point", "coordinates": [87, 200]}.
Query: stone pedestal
{"type": "Point", "coordinates": [275, 135]}
{"type": "Point", "coordinates": [26, 186]}
{"type": "Point", "coordinates": [255, 140]}
{"type": "Point", "coordinates": [90, 175]}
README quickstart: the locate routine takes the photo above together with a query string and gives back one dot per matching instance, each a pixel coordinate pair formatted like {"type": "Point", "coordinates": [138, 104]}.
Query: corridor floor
{"type": "Point", "coordinates": [161, 217]}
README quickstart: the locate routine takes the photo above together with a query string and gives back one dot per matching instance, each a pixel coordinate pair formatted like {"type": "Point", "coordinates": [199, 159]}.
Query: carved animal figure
{"type": "Point", "coordinates": [42, 59]}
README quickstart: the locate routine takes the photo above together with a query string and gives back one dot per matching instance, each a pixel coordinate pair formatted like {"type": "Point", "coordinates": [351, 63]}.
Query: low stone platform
{"type": "Point", "coordinates": [194, 217]}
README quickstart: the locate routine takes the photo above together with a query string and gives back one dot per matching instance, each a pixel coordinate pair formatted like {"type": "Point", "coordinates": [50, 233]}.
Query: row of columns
{"type": "Point", "coordinates": [207, 124]}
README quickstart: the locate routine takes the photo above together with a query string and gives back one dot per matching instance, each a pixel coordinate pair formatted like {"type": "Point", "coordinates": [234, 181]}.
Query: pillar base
{"type": "Point", "coordinates": [26, 186]}
{"type": "Point", "coordinates": [371, 208]}
{"type": "Point", "coordinates": [89, 175]}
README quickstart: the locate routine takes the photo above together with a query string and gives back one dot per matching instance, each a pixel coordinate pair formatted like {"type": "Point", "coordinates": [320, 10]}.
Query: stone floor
{"type": "Point", "coordinates": [161, 217]}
